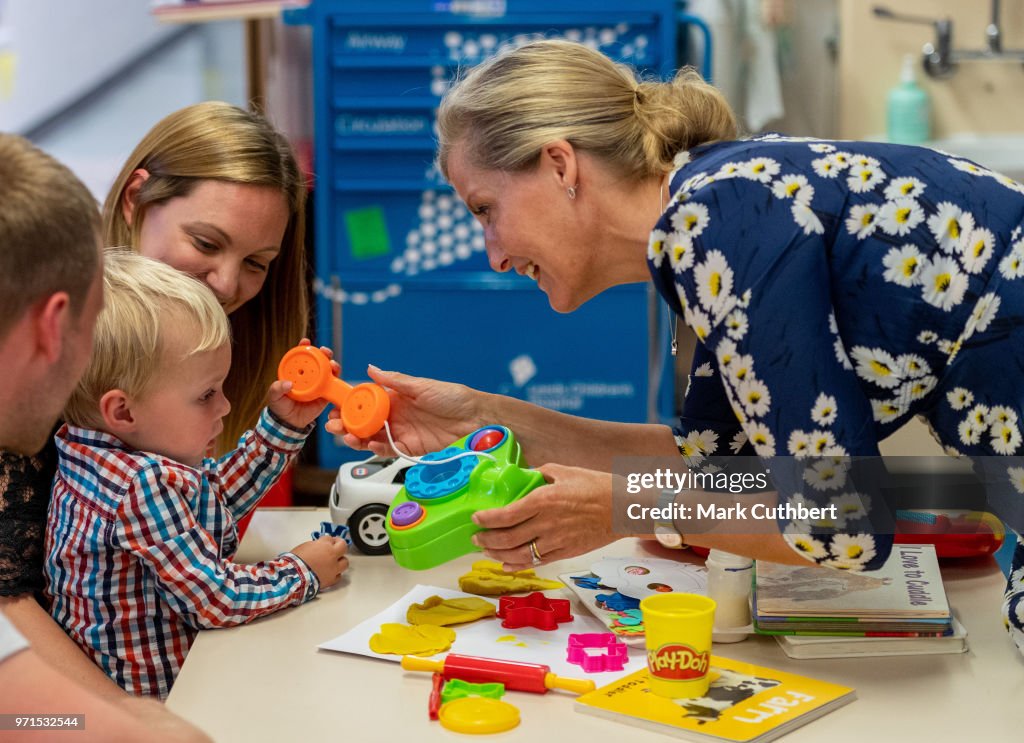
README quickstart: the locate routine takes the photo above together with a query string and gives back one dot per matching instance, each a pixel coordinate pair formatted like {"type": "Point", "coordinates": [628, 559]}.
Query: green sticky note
{"type": "Point", "coordinates": [367, 232]}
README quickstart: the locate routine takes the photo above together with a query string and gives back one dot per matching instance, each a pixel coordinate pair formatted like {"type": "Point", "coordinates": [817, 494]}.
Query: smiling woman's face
{"type": "Point", "coordinates": [225, 234]}
{"type": "Point", "coordinates": [530, 226]}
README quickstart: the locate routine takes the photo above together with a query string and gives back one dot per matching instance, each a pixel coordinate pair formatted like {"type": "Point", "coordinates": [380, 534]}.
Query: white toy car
{"type": "Point", "coordinates": [361, 496]}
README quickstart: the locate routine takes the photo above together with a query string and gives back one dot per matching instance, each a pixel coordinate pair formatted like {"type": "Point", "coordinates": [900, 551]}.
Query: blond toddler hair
{"type": "Point", "coordinates": [153, 317]}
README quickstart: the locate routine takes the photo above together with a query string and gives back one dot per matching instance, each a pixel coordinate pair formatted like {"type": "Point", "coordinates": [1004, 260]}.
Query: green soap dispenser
{"type": "Point", "coordinates": [908, 110]}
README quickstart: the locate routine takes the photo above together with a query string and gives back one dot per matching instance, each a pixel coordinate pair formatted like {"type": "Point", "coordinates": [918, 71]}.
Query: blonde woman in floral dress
{"type": "Point", "coordinates": [836, 288]}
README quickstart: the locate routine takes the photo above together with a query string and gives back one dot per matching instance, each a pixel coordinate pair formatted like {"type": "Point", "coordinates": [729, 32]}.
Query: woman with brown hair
{"type": "Point", "coordinates": [216, 192]}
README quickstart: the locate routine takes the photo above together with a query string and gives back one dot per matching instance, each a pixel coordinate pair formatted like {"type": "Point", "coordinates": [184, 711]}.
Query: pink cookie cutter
{"type": "Point", "coordinates": [613, 658]}
{"type": "Point", "coordinates": [535, 610]}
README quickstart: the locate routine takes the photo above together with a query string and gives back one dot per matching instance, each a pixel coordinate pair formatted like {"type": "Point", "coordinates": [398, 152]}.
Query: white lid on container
{"type": "Point", "coordinates": [728, 560]}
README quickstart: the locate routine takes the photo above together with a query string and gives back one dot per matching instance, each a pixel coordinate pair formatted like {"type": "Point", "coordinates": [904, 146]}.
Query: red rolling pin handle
{"type": "Point", "coordinates": [516, 675]}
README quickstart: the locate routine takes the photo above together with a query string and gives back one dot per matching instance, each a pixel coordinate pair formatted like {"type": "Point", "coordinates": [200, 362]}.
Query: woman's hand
{"type": "Point", "coordinates": [293, 412]}
{"type": "Point", "coordinates": [426, 415]}
{"type": "Point", "coordinates": [570, 515]}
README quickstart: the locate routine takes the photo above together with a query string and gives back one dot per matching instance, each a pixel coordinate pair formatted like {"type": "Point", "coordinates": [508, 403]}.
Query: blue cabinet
{"type": "Point", "coordinates": [401, 274]}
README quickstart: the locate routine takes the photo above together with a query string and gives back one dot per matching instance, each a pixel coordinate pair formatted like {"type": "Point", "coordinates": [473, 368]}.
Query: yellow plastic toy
{"type": "Point", "coordinates": [678, 636]}
{"type": "Point", "coordinates": [364, 408]}
{"type": "Point", "coordinates": [478, 715]}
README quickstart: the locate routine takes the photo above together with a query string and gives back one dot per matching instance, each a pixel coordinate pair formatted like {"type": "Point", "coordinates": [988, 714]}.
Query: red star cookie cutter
{"type": "Point", "coordinates": [535, 610]}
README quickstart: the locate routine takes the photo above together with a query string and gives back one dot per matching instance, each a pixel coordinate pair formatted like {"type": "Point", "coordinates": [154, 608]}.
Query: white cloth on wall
{"type": "Point", "coordinates": [745, 63]}
{"type": "Point", "coordinates": [762, 84]}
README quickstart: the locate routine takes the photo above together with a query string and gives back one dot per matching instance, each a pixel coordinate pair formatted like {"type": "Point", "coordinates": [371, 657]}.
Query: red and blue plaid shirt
{"type": "Point", "coordinates": [139, 549]}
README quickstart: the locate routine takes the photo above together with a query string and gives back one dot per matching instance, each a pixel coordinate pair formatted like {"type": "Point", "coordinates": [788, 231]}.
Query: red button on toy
{"type": "Point", "coordinates": [487, 439]}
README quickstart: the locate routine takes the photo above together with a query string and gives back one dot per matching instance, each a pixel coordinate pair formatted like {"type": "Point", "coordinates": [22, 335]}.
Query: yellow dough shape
{"type": "Point", "coordinates": [401, 639]}
{"type": "Point", "coordinates": [438, 611]}
{"type": "Point", "coordinates": [488, 579]}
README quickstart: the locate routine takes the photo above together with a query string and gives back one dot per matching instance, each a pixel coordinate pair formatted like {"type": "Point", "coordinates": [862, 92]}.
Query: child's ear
{"type": "Point", "coordinates": [116, 410]}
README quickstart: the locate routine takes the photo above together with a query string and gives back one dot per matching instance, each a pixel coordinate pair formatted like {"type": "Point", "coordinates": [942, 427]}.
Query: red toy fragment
{"type": "Point", "coordinates": [434, 706]}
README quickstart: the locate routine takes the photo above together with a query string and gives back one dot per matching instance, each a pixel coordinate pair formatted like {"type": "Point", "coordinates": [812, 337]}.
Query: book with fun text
{"type": "Point", "coordinates": [744, 703]}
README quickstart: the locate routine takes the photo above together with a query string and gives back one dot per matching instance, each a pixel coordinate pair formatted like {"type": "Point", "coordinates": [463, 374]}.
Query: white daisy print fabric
{"type": "Point", "coordinates": [837, 289]}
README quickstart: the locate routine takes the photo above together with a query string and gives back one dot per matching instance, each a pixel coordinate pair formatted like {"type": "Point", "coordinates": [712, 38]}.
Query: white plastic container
{"type": "Point", "coordinates": [729, 584]}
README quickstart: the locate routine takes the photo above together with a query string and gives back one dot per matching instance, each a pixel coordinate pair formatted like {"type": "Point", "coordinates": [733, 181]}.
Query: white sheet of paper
{"type": "Point", "coordinates": [481, 638]}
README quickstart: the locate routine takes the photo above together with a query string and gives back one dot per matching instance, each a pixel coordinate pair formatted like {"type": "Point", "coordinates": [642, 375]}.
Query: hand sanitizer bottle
{"type": "Point", "coordinates": [907, 114]}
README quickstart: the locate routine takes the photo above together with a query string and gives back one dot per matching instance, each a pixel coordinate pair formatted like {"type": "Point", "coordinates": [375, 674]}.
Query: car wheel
{"type": "Point", "coordinates": [367, 529]}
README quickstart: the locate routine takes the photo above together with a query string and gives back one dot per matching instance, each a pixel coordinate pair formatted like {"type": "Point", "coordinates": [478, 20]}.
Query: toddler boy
{"type": "Point", "coordinates": [141, 525]}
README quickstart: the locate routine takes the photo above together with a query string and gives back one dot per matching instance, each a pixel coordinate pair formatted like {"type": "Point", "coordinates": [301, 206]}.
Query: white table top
{"type": "Point", "coordinates": [266, 681]}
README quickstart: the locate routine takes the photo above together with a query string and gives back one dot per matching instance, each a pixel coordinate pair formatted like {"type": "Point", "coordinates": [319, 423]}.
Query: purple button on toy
{"type": "Point", "coordinates": [406, 514]}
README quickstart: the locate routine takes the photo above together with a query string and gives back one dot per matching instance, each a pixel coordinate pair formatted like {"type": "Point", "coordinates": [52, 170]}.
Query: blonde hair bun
{"type": "Point", "coordinates": [508, 107]}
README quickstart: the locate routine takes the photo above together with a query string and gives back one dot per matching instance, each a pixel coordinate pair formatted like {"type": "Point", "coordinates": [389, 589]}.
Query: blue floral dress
{"type": "Point", "coordinates": [837, 289]}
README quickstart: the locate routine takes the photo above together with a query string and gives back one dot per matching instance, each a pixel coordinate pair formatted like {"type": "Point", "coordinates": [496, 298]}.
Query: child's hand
{"type": "Point", "coordinates": [325, 557]}
{"type": "Point", "coordinates": [298, 414]}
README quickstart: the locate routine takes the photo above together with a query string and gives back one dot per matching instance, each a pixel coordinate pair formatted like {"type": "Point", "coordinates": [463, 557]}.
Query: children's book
{"type": "Point", "coordinates": [907, 587]}
{"type": "Point", "coordinates": [851, 627]}
{"type": "Point", "coordinates": [744, 703]}
{"type": "Point", "coordinates": [620, 614]}
{"type": "Point", "coordinates": [802, 647]}
{"type": "Point", "coordinates": [604, 593]}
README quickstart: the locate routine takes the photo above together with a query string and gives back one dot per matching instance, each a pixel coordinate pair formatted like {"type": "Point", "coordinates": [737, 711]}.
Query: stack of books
{"type": "Point", "coordinates": [803, 647]}
{"type": "Point", "coordinates": [904, 598]}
